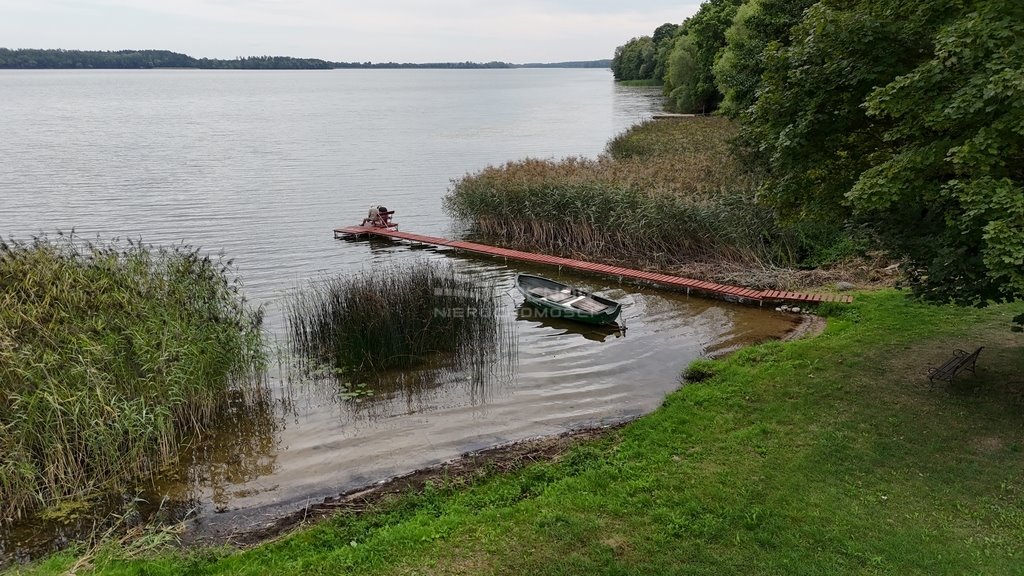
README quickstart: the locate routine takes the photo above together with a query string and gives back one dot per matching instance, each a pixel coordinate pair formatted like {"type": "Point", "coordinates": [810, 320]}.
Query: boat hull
{"type": "Point", "coordinates": [531, 287]}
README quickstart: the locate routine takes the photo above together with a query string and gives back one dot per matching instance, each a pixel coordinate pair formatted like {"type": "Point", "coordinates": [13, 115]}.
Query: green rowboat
{"type": "Point", "coordinates": [559, 300]}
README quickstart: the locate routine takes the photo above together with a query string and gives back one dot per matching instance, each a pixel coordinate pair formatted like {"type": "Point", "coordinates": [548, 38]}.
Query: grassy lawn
{"type": "Point", "coordinates": [825, 456]}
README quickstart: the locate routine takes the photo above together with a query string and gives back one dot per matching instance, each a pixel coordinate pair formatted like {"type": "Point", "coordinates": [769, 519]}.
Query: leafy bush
{"type": "Point", "coordinates": [700, 371]}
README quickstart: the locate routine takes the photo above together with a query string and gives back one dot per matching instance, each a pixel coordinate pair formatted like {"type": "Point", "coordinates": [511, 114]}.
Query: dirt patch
{"type": "Point", "coordinates": [988, 444]}
{"type": "Point", "coordinates": [807, 326]}
{"type": "Point", "coordinates": [462, 470]}
{"type": "Point", "coordinates": [620, 545]}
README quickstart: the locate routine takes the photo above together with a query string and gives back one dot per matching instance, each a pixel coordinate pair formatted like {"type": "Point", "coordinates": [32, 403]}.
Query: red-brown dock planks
{"type": "Point", "coordinates": [709, 288]}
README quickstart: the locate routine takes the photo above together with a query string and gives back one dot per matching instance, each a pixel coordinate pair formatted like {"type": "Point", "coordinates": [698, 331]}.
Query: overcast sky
{"type": "Point", "coordinates": [342, 30]}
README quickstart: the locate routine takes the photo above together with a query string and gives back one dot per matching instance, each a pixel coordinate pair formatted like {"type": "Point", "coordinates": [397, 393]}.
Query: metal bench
{"type": "Point", "coordinates": [961, 360]}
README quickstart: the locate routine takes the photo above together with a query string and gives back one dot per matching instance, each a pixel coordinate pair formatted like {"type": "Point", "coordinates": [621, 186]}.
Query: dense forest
{"type": "Point", "coordinates": [50, 58]}
{"type": "Point", "coordinates": [901, 121]}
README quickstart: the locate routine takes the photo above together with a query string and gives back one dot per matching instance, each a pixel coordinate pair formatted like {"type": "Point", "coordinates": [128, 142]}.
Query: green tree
{"type": "Point", "coordinates": [759, 25]}
{"type": "Point", "coordinates": [634, 60]}
{"type": "Point", "coordinates": [682, 75]}
{"type": "Point", "coordinates": [949, 190]}
{"type": "Point", "coordinates": [693, 88]}
{"type": "Point", "coordinates": [808, 129]}
{"type": "Point", "coordinates": [646, 57]}
{"type": "Point", "coordinates": [908, 119]}
{"type": "Point", "coordinates": [664, 38]}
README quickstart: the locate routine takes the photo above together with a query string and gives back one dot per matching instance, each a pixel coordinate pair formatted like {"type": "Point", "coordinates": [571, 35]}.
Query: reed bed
{"type": "Point", "coordinates": [395, 318]}
{"type": "Point", "coordinates": [111, 356]}
{"type": "Point", "coordinates": [694, 139]}
{"type": "Point", "coordinates": [667, 192]}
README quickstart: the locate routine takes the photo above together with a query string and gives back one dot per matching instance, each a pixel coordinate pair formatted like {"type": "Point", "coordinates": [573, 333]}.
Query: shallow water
{"type": "Point", "coordinates": [263, 165]}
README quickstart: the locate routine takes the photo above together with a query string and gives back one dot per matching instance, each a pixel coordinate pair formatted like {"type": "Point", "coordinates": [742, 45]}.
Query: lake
{"type": "Point", "coordinates": [263, 166]}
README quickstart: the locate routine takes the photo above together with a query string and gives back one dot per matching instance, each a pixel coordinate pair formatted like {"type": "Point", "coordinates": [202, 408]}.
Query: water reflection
{"type": "Point", "coordinates": [534, 317]}
{"type": "Point", "coordinates": [375, 395]}
{"type": "Point", "coordinates": [240, 445]}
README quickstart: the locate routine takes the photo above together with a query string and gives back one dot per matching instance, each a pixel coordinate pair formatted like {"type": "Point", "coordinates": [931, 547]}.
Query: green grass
{"type": "Point", "coordinates": [825, 456]}
{"type": "Point", "coordinates": [110, 356]}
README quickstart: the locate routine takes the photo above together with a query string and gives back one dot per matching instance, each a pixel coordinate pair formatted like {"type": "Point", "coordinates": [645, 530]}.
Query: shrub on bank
{"type": "Point", "coordinates": [111, 354]}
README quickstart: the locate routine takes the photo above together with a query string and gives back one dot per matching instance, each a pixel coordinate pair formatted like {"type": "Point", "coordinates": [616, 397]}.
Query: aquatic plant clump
{"type": "Point", "coordinates": [394, 317]}
{"type": "Point", "coordinates": [665, 199]}
{"type": "Point", "coordinates": [111, 355]}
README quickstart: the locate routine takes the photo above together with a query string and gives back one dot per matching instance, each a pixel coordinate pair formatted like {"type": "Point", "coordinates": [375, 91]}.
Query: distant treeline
{"type": "Point", "coordinates": [30, 58]}
{"type": "Point", "coordinates": [476, 65]}
{"type": "Point", "coordinates": [56, 58]}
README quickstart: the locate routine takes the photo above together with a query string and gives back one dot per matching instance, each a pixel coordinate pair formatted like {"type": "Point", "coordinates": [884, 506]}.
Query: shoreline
{"type": "Point", "coordinates": [462, 469]}
{"type": "Point", "coordinates": [812, 446]}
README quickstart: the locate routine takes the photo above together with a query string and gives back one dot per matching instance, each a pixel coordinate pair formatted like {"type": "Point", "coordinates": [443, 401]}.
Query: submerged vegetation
{"type": "Point", "coordinates": [394, 317]}
{"type": "Point", "coordinates": [667, 192]}
{"type": "Point", "coordinates": [111, 355]}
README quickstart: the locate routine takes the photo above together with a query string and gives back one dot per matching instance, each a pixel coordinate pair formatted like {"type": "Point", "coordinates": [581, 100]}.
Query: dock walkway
{"type": "Point", "coordinates": [690, 285]}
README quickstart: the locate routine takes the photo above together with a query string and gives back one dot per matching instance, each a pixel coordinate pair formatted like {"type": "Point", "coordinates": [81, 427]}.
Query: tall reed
{"type": "Point", "coordinates": [667, 192]}
{"type": "Point", "coordinates": [394, 317]}
{"type": "Point", "coordinates": [111, 354]}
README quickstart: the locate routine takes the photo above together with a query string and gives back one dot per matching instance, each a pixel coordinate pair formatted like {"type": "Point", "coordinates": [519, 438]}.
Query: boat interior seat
{"type": "Point", "coordinates": [557, 297]}
{"type": "Point", "coordinates": [589, 305]}
{"type": "Point", "coordinates": [541, 292]}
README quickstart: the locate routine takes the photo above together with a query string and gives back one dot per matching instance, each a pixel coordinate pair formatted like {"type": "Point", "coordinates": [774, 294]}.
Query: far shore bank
{"type": "Point", "coordinates": [59, 59]}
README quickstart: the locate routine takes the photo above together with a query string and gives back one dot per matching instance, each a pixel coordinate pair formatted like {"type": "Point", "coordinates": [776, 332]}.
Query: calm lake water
{"type": "Point", "coordinates": [263, 165]}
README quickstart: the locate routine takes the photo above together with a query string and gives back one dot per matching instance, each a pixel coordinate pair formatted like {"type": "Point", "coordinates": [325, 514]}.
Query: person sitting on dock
{"type": "Point", "coordinates": [379, 217]}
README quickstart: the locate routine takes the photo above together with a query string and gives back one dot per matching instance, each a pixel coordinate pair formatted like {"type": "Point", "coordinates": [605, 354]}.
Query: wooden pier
{"type": "Point", "coordinates": [690, 285]}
